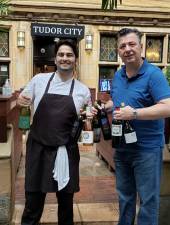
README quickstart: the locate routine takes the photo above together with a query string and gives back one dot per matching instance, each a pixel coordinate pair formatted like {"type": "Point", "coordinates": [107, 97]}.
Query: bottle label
{"type": "Point", "coordinates": [116, 129]}
{"type": "Point", "coordinates": [76, 130]}
{"type": "Point", "coordinates": [130, 137]}
{"type": "Point", "coordinates": [24, 122]}
{"type": "Point", "coordinates": [87, 137]}
{"type": "Point", "coordinates": [104, 122]}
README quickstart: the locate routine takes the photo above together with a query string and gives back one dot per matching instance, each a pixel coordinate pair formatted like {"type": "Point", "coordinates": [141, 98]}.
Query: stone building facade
{"type": "Point", "coordinates": [23, 52]}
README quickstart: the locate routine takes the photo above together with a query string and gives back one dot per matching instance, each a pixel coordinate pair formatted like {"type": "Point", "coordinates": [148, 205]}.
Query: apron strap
{"type": "Point", "coordinates": [46, 90]}
{"type": "Point", "coordinates": [72, 87]}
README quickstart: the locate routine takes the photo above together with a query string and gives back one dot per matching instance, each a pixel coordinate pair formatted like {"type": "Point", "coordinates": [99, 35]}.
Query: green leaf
{"type": "Point", "coordinates": [110, 4]}
{"type": "Point", "coordinates": [115, 3]}
{"type": "Point", "coordinates": [105, 4]}
{"type": "Point", "coordinates": [166, 71]}
{"type": "Point", "coordinates": [4, 7]}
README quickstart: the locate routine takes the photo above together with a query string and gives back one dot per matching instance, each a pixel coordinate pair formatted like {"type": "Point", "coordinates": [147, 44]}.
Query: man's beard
{"type": "Point", "coordinates": [65, 70]}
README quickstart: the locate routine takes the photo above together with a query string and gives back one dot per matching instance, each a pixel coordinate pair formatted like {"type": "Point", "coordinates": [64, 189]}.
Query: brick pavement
{"type": "Point", "coordinates": [97, 190]}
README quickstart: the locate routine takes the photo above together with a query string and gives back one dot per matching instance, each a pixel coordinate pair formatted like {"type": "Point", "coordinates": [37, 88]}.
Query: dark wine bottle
{"type": "Point", "coordinates": [104, 121]}
{"type": "Point", "coordinates": [77, 128]}
{"type": "Point", "coordinates": [24, 118]}
{"type": "Point", "coordinates": [96, 125]}
{"type": "Point", "coordinates": [117, 130]}
{"type": "Point", "coordinates": [129, 133]}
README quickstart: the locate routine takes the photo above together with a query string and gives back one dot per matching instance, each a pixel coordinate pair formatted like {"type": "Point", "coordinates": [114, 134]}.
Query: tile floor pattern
{"type": "Point", "coordinates": [95, 204]}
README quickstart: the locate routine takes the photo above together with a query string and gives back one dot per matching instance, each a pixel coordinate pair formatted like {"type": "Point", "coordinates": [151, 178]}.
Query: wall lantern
{"type": "Point", "coordinates": [21, 39]}
{"type": "Point", "coordinates": [88, 42]}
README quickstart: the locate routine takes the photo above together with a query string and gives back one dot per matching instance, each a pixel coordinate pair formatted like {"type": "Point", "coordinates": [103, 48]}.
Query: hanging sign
{"type": "Point", "coordinates": [56, 30]}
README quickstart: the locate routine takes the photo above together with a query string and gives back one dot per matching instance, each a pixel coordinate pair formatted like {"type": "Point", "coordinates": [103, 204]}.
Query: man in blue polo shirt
{"type": "Point", "coordinates": [145, 93]}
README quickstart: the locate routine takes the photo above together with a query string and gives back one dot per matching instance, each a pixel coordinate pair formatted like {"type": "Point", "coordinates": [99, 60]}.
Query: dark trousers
{"type": "Point", "coordinates": [34, 206]}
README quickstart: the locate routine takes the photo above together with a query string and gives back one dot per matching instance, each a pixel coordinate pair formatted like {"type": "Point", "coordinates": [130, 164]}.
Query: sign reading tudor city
{"type": "Point", "coordinates": [55, 30]}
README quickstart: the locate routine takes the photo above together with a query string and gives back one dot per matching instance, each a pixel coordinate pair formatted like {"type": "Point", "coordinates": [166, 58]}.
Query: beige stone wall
{"type": "Point", "coordinates": [6, 177]}
{"type": "Point", "coordinates": [5, 172]}
{"type": "Point", "coordinates": [20, 59]}
{"type": "Point", "coordinates": [63, 3]}
{"type": "Point", "coordinates": [152, 5]}
{"type": "Point", "coordinates": [89, 61]}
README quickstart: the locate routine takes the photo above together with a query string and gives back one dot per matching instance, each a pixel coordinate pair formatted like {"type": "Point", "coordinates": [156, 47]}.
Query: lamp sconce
{"type": "Point", "coordinates": [89, 42]}
{"type": "Point", "coordinates": [21, 39]}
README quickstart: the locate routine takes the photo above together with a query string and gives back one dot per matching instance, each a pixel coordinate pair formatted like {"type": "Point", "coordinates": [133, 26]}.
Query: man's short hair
{"type": "Point", "coordinates": [69, 42]}
{"type": "Point", "coordinates": [125, 31]}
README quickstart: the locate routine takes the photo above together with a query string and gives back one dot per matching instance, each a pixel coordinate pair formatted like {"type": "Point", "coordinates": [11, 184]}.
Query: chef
{"type": "Point", "coordinates": [52, 161]}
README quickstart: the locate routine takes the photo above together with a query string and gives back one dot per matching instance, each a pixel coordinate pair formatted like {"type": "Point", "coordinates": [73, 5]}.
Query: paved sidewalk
{"type": "Point", "coordinates": [95, 204]}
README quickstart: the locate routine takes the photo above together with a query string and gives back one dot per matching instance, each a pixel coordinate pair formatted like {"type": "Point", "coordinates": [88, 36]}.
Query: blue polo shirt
{"type": "Point", "coordinates": [147, 88]}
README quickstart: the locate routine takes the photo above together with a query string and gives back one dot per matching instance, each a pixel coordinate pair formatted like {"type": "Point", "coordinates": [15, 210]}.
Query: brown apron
{"type": "Point", "coordinates": [52, 124]}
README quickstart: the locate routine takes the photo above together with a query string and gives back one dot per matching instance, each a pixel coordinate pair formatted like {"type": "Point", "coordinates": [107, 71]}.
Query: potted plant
{"type": "Point", "coordinates": [110, 4]}
{"type": "Point", "coordinates": [167, 73]}
{"type": "Point", "coordinates": [4, 7]}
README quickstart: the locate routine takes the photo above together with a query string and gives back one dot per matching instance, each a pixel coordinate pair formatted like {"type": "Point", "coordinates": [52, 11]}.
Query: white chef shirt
{"type": "Point", "coordinates": [36, 87]}
{"type": "Point", "coordinates": [81, 95]}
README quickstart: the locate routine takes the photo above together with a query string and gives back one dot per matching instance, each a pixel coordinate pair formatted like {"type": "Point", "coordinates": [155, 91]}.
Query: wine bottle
{"type": "Point", "coordinates": [129, 133]}
{"type": "Point", "coordinates": [87, 133]}
{"type": "Point", "coordinates": [24, 118]}
{"type": "Point", "coordinates": [104, 121]}
{"type": "Point", "coordinates": [96, 125]}
{"type": "Point", "coordinates": [117, 130]}
{"type": "Point", "coordinates": [77, 128]}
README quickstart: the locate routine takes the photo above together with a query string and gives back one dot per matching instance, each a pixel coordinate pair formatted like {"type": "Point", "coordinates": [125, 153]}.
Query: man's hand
{"type": "Point", "coordinates": [109, 105]}
{"type": "Point", "coordinates": [94, 111]}
{"type": "Point", "coordinates": [89, 113]}
{"type": "Point", "coordinates": [125, 113]}
{"type": "Point", "coordinates": [23, 100]}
